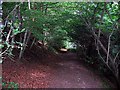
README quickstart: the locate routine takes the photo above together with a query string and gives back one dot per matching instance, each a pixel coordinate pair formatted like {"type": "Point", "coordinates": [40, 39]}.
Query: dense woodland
{"type": "Point", "coordinates": [90, 29]}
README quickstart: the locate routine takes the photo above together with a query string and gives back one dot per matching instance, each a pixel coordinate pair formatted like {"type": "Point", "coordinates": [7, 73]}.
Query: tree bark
{"type": "Point", "coordinates": [1, 28]}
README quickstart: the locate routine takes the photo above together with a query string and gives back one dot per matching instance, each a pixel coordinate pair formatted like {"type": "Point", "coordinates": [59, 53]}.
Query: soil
{"type": "Point", "coordinates": [62, 71]}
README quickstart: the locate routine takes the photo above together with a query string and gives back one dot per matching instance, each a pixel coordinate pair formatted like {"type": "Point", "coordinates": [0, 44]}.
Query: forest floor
{"type": "Point", "coordinates": [63, 71]}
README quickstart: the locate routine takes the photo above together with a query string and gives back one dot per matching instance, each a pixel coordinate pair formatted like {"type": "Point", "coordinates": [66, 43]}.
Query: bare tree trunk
{"type": "Point", "coordinates": [29, 4]}
{"type": "Point", "coordinates": [23, 45]}
{"type": "Point", "coordinates": [1, 28]}
{"type": "Point", "coordinates": [26, 37]}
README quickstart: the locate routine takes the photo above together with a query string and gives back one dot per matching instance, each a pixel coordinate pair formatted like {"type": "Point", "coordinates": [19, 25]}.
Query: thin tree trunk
{"type": "Point", "coordinates": [23, 45]}
{"type": "Point", "coordinates": [20, 28]}
{"type": "Point", "coordinates": [32, 43]}
{"type": "Point", "coordinates": [26, 39]}
{"type": "Point", "coordinates": [1, 28]}
{"type": "Point", "coordinates": [20, 19]}
{"type": "Point", "coordinates": [7, 39]}
{"type": "Point", "coordinates": [29, 4]}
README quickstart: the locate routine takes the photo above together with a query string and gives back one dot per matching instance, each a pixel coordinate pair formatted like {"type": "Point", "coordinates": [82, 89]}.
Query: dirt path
{"type": "Point", "coordinates": [62, 72]}
{"type": "Point", "coordinates": [71, 74]}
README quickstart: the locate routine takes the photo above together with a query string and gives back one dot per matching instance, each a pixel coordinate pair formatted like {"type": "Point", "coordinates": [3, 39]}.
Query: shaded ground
{"type": "Point", "coordinates": [54, 72]}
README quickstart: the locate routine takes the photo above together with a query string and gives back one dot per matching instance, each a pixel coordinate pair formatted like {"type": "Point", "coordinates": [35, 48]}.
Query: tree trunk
{"type": "Point", "coordinates": [23, 45]}
{"type": "Point", "coordinates": [29, 4]}
{"type": "Point", "coordinates": [1, 28]}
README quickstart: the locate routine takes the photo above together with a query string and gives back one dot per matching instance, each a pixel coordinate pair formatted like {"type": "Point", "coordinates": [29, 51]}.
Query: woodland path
{"type": "Point", "coordinates": [64, 71]}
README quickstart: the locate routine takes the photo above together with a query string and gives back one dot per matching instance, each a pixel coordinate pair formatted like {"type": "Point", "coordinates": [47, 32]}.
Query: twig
{"type": "Point", "coordinates": [5, 51]}
{"type": "Point", "coordinates": [32, 43]}
{"type": "Point", "coordinates": [108, 50]}
{"type": "Point", "coordinates": [99, 32]}
{"type": "Point", "coordinates": [116, 56]}
{"type": "Point", "coordinates": [7, 39]}
{"type": "Point", "coordinates": [12, 11]}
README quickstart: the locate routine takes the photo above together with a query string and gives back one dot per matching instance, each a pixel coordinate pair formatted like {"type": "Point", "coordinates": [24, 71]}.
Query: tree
{"type": "Point", "coordinates": [1, 45]}
{"type": "Point", "coordinates": [99, 25]}
{"type": "Point", "coordinates": [1, 28]}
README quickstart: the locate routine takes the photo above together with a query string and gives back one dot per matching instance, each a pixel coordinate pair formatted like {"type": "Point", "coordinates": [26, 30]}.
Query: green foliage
{"type": "Point", "coordinates": [17, 31]}
{"type": "Point", "coordinates": [49, 27]}
{"type": "Point", "coordinates": [10, 85]}
{"type": "Point", "coordinates": [1, 46]}
{"type": "Point", "coordinates": [57, 23]}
